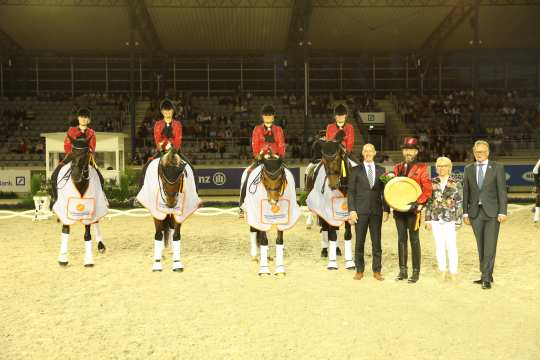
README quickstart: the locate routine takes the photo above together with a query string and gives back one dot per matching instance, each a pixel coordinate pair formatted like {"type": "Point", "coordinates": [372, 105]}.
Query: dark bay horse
{"type": "Point", "coordinates": [79, 174]}
{"type": "Point", "coordinates": [171, 171]}
{"type": "Point", "coordinates": [274, 180]}
{"type": "Point", "coordinates": [336, 165]}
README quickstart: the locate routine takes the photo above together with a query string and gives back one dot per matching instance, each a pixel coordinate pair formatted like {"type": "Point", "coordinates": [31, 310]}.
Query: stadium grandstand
{"type": "Point", "coordinates": [445, 71]}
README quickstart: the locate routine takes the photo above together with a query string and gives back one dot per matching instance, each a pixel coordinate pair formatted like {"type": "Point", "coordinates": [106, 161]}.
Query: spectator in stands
{"type": "Point", "coordinates": [22, 147]}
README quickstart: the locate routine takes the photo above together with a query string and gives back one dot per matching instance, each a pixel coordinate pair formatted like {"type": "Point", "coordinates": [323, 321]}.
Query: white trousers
{"type": "Point", "coordinates": [444, 234]}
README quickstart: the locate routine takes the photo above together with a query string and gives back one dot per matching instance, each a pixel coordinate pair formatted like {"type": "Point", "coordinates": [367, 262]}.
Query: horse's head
{"type": "Point", "coordinates": [171, 172]}
{"type": "Point", "coordinates": [80, 157]}
{"type": "Point", "coordinates": [332, 157]}
{"type": "Point", "coordinates": [273, 177]}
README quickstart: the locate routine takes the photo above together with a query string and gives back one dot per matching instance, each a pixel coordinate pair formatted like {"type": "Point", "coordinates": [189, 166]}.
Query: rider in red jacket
{"type": "Point", "coordinates": [82, 130]}
{"type": "Point", "coordinates": [168, 130]}
{"type": "Point", "coordinates": [167, 133]}
{"type": "Point", "coordinates": [341, 128]}
{"type": "Point", "coordinates": [266, 138]}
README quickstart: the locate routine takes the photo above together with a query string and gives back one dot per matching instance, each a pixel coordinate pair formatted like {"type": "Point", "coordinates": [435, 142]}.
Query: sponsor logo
{"type": "Point", "coordinates": [528, 176]}
{"type": "Point", "coordinates": [219, 179]}
{"type": "Point", "coordinates": [275, 209]}
{"type": "Point", "coordinates": [80, 207]}
{"type": "Point", "coordinates": [344, 206]}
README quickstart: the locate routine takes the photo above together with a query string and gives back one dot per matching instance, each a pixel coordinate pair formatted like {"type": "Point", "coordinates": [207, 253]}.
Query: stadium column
{"type": "Point", "coordinates": [132, 85]}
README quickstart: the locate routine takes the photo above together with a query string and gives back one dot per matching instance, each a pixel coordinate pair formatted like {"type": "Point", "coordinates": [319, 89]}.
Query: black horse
{"type": "Point", "coordinates": [335, 161]}
{"type": "Point", "coordinates": [171, 171]}
{"type": "Point", "coordinates": [79, 174]}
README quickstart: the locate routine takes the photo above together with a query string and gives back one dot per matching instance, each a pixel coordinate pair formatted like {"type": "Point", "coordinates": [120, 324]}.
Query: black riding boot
{"type": "Point", "coordinates": [416, 258]}
{"type": "Point", "coordinates": [402, 256]}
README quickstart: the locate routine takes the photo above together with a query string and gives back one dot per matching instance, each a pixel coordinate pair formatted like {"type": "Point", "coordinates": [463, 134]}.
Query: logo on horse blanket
{"type": "Point", "coordinates": [278, 214]}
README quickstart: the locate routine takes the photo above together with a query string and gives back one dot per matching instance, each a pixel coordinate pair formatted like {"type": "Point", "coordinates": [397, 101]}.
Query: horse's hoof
{"type": "Point", "coordinates": [308, 227]}
{"type": "Point", "coordinates": [280, 270]}
{"type": "Point", "coordinates": [88, 265]}
{"type": "Point", "coordinates": [255, 258]}
{"type": "Point", "coordinates": [263, 270]}
{"type": "Point", "coordinates": [157, 267]}
{"type": "Point", "coordinates": [101, 247]}
{"type": "Point", "coordinates": [63, 263]}
{"type": "Point", "coordinates": [332, 265]}
{"type": "Point", "coordinates": [349, 265]}
{"type": "Point", "coordinates": [324, 253]}
{"type": "Point", "coordinates": [338, 251]}
{"type": "Point", "coordinates": [177, 266]}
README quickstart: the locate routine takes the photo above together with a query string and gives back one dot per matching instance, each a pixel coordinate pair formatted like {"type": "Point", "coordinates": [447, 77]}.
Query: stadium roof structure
{"type": "Point", "coordinates": [263, 26]}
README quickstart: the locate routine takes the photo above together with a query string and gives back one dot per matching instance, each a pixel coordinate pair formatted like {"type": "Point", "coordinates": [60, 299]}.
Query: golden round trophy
{"type": "Point", "coordinates": [400, 192]}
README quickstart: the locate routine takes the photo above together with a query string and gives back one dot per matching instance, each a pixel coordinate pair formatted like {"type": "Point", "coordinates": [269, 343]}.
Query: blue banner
{"type": "Point", "coordinates": [228, 178]}
{"type": "Point", "coordinates": [516, 175]}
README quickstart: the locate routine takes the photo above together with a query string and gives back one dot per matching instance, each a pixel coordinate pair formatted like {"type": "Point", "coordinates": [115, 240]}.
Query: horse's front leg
{"type": "Point", "coordinates": [263, 253]}
{"type": "Point", "coordinates": [88, 255]}
{"type": "Point", "coordinates": [158, 245]}
{"type": "Point", "coordinates": [349, 263]}
{"type": "Point", "coordinates": [176, 238]}
{"type": "Point", "coordinates": [280, 266]}
{"type": "Point", "coordinates": [332, 245]}
{"type": "Point", "coordinates": [64, 238]}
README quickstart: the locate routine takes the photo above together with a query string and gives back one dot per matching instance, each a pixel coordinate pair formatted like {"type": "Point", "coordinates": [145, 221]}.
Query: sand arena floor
{"type": "Point", "coordinates": [219, 308]}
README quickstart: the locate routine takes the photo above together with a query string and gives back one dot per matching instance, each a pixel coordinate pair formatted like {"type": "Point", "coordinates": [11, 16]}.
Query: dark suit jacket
{"type": "Point", "coordinates": [363, 199]}
{"type": "Point", "coordinates": [492, 194]}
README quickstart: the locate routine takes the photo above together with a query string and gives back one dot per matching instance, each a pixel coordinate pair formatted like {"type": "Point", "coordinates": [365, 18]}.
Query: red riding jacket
{"type": "Point", "coordinates": [419, 173]}
{"type": "Point", "coordinates": [161, 140]}
{"type": "Point", "coordinates": [264, 139]}
{"type": "Point", "coordinates": [348, 141]}
{"type": "Point", "coordinates": [75, 132]}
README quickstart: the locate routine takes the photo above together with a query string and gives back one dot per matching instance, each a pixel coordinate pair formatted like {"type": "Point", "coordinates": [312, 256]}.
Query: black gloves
{"type": "Point", "coordinates": [414, 207]}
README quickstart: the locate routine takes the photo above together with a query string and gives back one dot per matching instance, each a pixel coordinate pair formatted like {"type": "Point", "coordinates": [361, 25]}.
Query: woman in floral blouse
{"type": "Point", "coordinates": [443, 215]}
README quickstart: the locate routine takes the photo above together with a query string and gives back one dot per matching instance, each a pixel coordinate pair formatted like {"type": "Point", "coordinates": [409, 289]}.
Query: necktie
{"type": "Point", "coordinates": [370, 176]}
{"type": "Point", "coordinates": [480, 175]}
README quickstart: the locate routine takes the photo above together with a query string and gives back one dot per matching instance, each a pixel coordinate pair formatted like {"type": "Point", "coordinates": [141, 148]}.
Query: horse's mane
{"type": "Point", "coordinates": [273, 166]}
{"type": "Point", "coordinates": [330, 148]}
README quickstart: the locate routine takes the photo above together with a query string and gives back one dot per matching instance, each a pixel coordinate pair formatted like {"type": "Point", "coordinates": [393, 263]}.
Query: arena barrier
{"type": "Point", "coordinates": [204, 211]}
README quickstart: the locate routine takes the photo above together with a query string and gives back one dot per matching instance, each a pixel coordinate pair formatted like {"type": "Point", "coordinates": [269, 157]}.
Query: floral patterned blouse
{"type": "Point", "coordinates": [445, 204]}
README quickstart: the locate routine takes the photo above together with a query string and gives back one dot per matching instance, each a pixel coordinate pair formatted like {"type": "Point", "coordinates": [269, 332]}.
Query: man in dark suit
{"type": "Point", "coordinates": [484, 206]}
{"type": "Point", "coordinates": [366, 205]}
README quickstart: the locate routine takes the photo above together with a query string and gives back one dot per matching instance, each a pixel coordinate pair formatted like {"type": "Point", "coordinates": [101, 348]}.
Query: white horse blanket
{"type": "Point", "coordinates": [152, 197]}
{"type": "Point", "coordinates": [260, 214]}
{"type": "Point", "coordinates": [330, 205]}
{"type": "Point", "coordinates": [71, 207]}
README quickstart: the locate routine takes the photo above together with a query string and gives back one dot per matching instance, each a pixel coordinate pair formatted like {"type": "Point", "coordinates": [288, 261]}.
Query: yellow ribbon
{"type": "Point", "coordinates": [93, 161]}
{"type": "Point", "coordinates": [417, 225]}
{"type": "Point", "coordinates": [343, 169]}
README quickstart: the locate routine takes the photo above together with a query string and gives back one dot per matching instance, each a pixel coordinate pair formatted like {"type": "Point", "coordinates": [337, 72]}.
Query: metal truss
{"type": "Point", "coordinates": [142, 22]}
{"type": "Point", "coordinates": [65, 3]}
{"type": "Point", "coordinates": [414, 3]}
{"type": "Point", "coordinates": [299, 25]}
{"type": "Point", "coordinates": [156, 3]}
{"type": "Point", "coordinates": [8, 45]}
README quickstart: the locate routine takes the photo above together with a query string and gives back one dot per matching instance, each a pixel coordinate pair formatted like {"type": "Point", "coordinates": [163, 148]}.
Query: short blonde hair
{"type": "Point", "coordinates": [481, 142]}
{"type": "Point", "coordinates": [443, 160]}
{"type": "Point", "coordinates": [368, 145]}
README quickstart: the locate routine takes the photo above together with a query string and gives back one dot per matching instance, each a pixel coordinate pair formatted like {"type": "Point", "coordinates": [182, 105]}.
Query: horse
{"type": "Point", "coordinates": [270, 188]}
{"type": "Point", "coordinates": [71, 209]}
{"type": "Point", "coordinates": [169, 193]}
{"type": "Point", "coordinates": [335, 163]}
